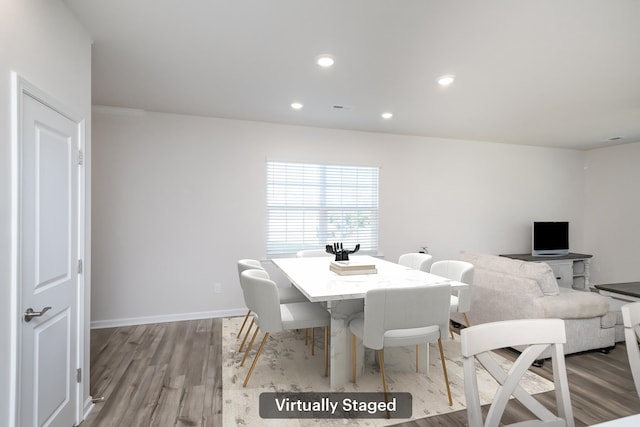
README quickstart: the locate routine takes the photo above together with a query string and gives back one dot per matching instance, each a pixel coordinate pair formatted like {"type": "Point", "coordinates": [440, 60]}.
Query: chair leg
{"type": "Point", "coordinates": [255, 359]}
{"type": "Point", "coordinates": [353, 357]}
{"type": "Point", "coordinates": [246, 335]}
{"type": "Point", "coordinates": [417, 358]}
{"type": "Point", "coordinates": [306, 337]}
{"type": "Point", "coordinates": [444, 369]}
{"type": "Point", "coordinates": [246, 353]}
{"type": "Point", "coordinates": [326, 351]}
{"type": "Point", "coordinates": [466, 320]}
{"type": "Point", "coordinates": [451, 332]}
{"type": "Point", "coordinates": [384, 381]}
{"type": "Point", "coordinates": [313, 341]}
{"type": "Point", "coordinates": [243, 323]}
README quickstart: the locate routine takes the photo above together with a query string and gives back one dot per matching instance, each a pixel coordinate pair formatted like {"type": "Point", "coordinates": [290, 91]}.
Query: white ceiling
{"type": "Point", "coordinates": [562, 73]}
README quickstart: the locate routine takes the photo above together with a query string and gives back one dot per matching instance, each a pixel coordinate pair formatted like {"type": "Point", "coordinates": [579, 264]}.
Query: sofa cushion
{"type": "Point", "coordinates": [572, 304]}
{"type": "Point", "coordinates": [538, 271]}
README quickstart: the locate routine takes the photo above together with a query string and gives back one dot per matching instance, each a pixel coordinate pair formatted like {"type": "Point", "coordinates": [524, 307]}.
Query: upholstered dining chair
{"type": "Point", "coordinates": [271, 316]}
{"type": "Point", "coordinates": [460, 271]}
{"type": "Point", "coordinates": [402, 316]}
{"type": "Point", "coordinates": [536, 335]}
{"type": "Point", "coordinates": [631, 321]}
{"type": "Point", "coordinates": [416, 260]}
{"type": "Point", "coordinates": [286, 294]}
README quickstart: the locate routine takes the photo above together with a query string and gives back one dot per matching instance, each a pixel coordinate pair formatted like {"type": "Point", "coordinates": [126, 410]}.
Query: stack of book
{"type": "Point", "coordinates": [345, 268]}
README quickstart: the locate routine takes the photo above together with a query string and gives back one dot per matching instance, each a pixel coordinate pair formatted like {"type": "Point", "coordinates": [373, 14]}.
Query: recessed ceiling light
{"type": "Point", "coordinates": [446, 80]}
{"type": "Point", "coordinates": [386, 115]}
{"type": "Point", "coordinates": [325, 61]}
{"type": "Point", "coordinates": [296, 105]}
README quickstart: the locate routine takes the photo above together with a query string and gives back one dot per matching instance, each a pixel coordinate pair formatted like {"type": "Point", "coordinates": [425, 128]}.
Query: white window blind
{"type": "Point", "coordinates": [310, 206]}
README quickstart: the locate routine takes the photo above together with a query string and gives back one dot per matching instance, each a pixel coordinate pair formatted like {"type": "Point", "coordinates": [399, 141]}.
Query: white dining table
{"type": "Point", "coordinates": [344, 296]}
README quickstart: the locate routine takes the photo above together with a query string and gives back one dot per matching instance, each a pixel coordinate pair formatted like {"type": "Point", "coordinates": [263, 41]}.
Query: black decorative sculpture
{"type": "Point", "coordinates": [341, 253]}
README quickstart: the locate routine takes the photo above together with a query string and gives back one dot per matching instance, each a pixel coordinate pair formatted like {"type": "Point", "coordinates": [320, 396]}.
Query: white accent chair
{"type": "Point", "coordinates": [537, 335]}
{"type": "Point", "coordinates": [261, 293]}
{"type": "Point", "coordinates": [460, 271]}
{"type": "Point", "coordinates": [402, 316]}
{"type": "Point", "coordinates": [631, 321]}
{"type": "Point", "coordinates": [416, 260]}
{"type": "Point", "coordinates": [286, 294]}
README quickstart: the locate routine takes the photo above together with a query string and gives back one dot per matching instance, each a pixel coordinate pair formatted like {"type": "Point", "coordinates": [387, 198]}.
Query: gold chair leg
{"type": "Point", "coordinates": [255, 359]}
{"type": "Point", "coordinates": [353, 357]}
{"type": "Point", "coordinates": [466, 320]}
{"type": "Point", "coordinates": [246, 353]}
{"type": "Point", "coordinates": [451, 332]}
{"type": "Point", "coordinates": [313, 341]}
{"type": "Point", "coordinates": [246, 335]}
{"type": "Point", "coordinates": [243, 323]}
{"type": "Point", "coordinates": [444, 369]}
{"type": "Point", "coordinates": [326, 351]}
{"type": "Point", "coordinates": [417, 358]}
{"type": "Point", "coordinates": [384, 381]}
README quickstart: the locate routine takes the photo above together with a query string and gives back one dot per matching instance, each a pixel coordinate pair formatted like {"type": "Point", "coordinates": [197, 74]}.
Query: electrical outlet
{"type": "Point", "coordinates": [217, 288]}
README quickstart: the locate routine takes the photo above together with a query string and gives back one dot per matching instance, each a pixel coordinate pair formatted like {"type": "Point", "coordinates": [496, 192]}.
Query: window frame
{"type": "Point", "coordinates": [341, 203]}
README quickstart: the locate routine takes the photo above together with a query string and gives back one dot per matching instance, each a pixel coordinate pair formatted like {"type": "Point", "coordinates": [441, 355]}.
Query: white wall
{"type": "Point", "coordinates": [612, 213]}
{"type": "Point", "coordinates": [178, 199]}
{"type": "Point", "coordinates": [41, 41]}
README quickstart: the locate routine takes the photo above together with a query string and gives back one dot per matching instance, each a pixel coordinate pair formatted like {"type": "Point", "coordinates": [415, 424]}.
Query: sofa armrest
{"type": "Point", "coordinates": [570, 304]}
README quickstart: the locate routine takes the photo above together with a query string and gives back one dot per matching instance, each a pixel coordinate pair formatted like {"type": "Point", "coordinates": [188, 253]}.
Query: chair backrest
{"type": "Point", "coordinates": [261, 296]}
{"type": "Point", "coordinates": [631, 321]}
{"type": "Point", "coordinates": [416, 260]}
{"type": "Point", "coordinates": [312, 253]}
{"type": "Point", "coordinates": [395, 308]}
{"type": "Point", "coordinates": [478, 341]}
{"type": "Point", "coordinates": [460, 271]}
{"type": "Point", "coordinates": [248, 264]}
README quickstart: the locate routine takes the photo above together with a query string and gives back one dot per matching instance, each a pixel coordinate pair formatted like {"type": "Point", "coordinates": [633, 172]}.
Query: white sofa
{"type": "Point", "coordinates": [505, 288]}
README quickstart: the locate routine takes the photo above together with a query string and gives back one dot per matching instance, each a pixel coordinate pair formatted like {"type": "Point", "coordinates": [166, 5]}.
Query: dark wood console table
{"type": "Point", "coordinates": [571, 270]}
{"type": "Point", "coordinates": [621, 290]}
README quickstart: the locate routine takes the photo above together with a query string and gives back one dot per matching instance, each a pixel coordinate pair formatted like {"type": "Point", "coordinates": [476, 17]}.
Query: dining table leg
{"type": "Point", "coordinates": [340, 360]}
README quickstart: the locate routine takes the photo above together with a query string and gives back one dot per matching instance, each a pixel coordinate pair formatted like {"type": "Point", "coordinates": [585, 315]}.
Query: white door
{"type": "Point", "coordinates": [48, 265]}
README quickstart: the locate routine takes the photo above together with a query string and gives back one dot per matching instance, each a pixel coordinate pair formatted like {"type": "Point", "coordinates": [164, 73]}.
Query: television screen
{"type": "Point", "coordinates": [550, 238]}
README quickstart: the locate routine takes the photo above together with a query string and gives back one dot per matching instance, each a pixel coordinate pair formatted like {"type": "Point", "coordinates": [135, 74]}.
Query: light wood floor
{"type": "Point", "coordinates": [169, 374]}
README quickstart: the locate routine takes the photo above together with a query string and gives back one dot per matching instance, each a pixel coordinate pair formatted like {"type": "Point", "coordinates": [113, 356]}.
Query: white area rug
{"type": "Point", "coordinates": [286, 364]}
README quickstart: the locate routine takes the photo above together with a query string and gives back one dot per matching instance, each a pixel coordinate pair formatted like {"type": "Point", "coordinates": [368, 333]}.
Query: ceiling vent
{"type": "Point", "coordinates": [342, 107]}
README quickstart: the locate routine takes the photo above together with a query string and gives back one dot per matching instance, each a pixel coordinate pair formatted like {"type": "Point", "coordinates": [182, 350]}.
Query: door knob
{"type": "Point", "coordinates": [30, 314]}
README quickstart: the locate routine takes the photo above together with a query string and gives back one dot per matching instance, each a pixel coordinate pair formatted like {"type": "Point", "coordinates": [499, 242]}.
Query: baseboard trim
{"type": "Point", "coordinates": [132, 321]}
{"type": "Point", "coordinates": [88, 406]}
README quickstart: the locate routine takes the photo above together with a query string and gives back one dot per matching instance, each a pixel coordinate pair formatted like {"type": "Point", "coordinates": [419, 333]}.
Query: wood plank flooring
{"type": "Point", "coordinates": [169, 374]}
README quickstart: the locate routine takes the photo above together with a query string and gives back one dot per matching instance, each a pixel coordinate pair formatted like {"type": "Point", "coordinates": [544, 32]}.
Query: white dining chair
{"type": "Point", "coordinates": [416, 260]}
{"type": "Point", "coordinates": [460, 271]}
{"type": "Point", "coordinates": [286, 294]}
{"type": "Point", "coordinates": [399, 317]}
{"type": "Point", "coordinates": [536, 335]}
{"type": "Point", "coordinates": [271, 316]}
{"type": "Point", "coordinates": [631, 321]}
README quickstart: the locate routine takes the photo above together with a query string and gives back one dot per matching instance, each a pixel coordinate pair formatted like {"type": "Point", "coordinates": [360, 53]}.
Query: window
{"type": "Point", "coordinates": [310, 206]}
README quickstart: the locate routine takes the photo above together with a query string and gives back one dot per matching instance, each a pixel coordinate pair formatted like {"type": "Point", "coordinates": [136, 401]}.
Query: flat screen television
{"type": "Point", "coordinates": [549, 238]}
